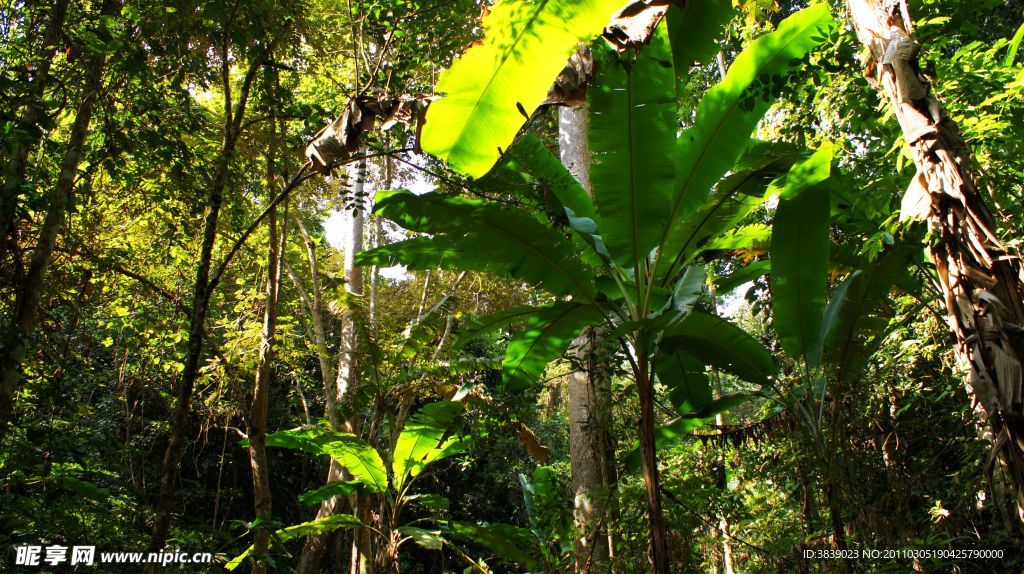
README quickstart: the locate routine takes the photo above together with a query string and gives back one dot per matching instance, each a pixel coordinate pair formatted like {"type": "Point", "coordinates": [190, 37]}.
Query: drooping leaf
{"type": "Point", "coordinates": [429, 500]}
{"type": "Point", "coordinates": [835, 306]}
{"type": "Point", "coordinates": [632, 133]}
{"type": "Point", "coordinates": [480, 236]}
{"type": "Point", "coordinates": [728, 114]}
{"type": "Point", "coordinates": [429, 539]}
{"type": "Point", "coordinates": [493, 322]}
{"type": "Point", "coordinates": [744, 275]}
{"type": "Point", "coordinates": [507, 541]}
{"type": "Point", "coordinates": [318, 526]}
{"type": "Point", "coordinates": [547, 335]}
{"type": "Point", "coordinates": [329, 490]}
{"type": "Point", "coordinates": [800, 256]}
{"type": "Point", "coordinates": [686, 379]}
{"type": "Point", "coordinates": [542, 165]}
{"type": "Point", "coordinates": [495, 84]}
{"type": "Point", "coordinates": [717, 342]}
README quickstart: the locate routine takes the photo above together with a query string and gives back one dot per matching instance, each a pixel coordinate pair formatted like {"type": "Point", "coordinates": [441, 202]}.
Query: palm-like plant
{"type": "Point", "coordinates": [658, 198]}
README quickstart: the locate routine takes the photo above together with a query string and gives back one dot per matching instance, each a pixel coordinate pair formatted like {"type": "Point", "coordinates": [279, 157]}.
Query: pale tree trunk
{"type": "Point", "coordinates": [348, 367]}
{"type": "Point", "coordinates": [17, 162]}
{"type": "Point", "coordinates": [589, 392]}
{"type": "Point", "coordinates": [728, 566]}
{"type": "Point", "coordinates": [342, 411]}
{"type": "Point", "coordinates": [257, 427]}
{"type": "Point", "coordinates": [980, 280]}
{"type": "Point", "coordinates": [25, 314]}
{"type": "Point", "coordinates": [315, 546]}
{"type": "Point", "coordinates": [201, 292]}
{"type": "Point", "coordinates": [376, 239]}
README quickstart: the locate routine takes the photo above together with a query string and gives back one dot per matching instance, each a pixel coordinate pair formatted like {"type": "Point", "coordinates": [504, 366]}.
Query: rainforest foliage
{"type": "Point", "coordinates": [426, 286]}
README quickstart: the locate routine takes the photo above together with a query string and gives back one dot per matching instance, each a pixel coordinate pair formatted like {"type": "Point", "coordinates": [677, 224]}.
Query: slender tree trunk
{"type": "Point", "coordinates": [981, 282]}
{"type": "Point", "coordinates": [656, 533]}
{"type": "Point", "coordinates": [589, 391]}
{"type": "Point", "coordinates": [348, 367]}
{"type": "Point", "coordinates": [17, 162]}
{"type": "Point", "coordinates": [59, 197]}
{"type": "Point", "coordinates": [342, 411]}
{"type": "Point", "coordinates": [257, 427]}
{"type": "Point", "coordinates": [233, 116]}
{"type": "Point", "coordinates": [723, 522]}
{"type": "Point", "coordinates": [315, 547]}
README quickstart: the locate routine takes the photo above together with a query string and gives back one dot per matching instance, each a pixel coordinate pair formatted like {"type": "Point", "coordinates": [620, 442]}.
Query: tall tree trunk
{"type": "Point", "coordinates": [342, 411]}
{"type": "Point", "coordinates": [17, 162]}
{"type": "Point", "coordinates": [981, 282]}
{"type": "Point", "coordinates": [315, 546]}
{"type": "Point", "coordinates": [257, 427]}
{"type": "Point", "coordinates": [348, 367]}
{"type": "Point", "coordinates": [723, 522]}
{"type": "Point", "coordinates": [201, 292]}
{"type": "Point", "coordinates": [26, 306]}
{"type": "Point", "coordinates": [589, 389]}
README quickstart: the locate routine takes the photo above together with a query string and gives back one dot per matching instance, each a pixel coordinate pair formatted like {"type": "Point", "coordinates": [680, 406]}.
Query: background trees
{"type": "Point", "coordinates": [769, 328]}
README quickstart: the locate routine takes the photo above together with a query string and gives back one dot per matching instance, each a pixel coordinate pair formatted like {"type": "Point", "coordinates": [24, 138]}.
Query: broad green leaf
{"type": "Point", "coordinates": [495, 85]}
{"type": "Point", "coordinates": [507, 541]}
{"type": "Point", "coordinates": [744, 275]}
{"type": "Point", "coordinates": [329, 490]}
{"type": "Point", "coordinates": [728, 114]}
{"type": "Point", "coordinates": [664, 435]}
{"type": "Point", "coordinates": [808, 173]}
{"type": "Point", "coordinates": [694, 29]}
{"type": "Point", "coordinates": [800, 256]}
{"type": "Point", "coordinates": [429, 539]}
{"type": "Point", "coordinates": [1011, 52]}
{"type": "Point", "coordinates": [485, 324]}
{"type": "Point", "coordinates": [719, 405]}
{"type": "Point", "coordinates": [586, 229]}
{"type": "Point", "coordinates": [318, 526]}
{"type": "Point", "coordinates": [429, 500]}
{"type": "Point", "coordinates": [686, 379]}
{"type": "Point", "coordinates": [547, 335]}
{"type": "Point", "coordinates": [754, 237]}
{"type": "Point", "coordinates": [735, 196]}
{"type": "Point", "coordinates": [308, 440]}
{"type": "Point", "coordinates": [719, 343]}
{"type": "Point", "coordinates": [544, 167]}
{"type": "Point", "coordinates": [835, 306]}
{"type": "Point", "coordinates": [424, 440]}
{"type": "Point", "coordinates": [865, 315]}
{"type": "Point", "coordinates": [480, 236]}
{"type": "Point", "coordinates": [685, 294]}
{"type": "Point", "coordinates": [360, 459]}
{"type": "Point", "coordinates": [632, 131]}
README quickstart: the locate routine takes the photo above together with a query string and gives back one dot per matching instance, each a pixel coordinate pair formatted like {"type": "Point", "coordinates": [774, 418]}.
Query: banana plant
{"type": "Point", "coordinates": [429, 436]}
{"type": "Point", "coordinates": [629, 262]}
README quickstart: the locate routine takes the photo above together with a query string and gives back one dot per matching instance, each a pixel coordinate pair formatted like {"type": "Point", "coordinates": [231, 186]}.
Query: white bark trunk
{"type": "Point", "coordinates": [589, 390]}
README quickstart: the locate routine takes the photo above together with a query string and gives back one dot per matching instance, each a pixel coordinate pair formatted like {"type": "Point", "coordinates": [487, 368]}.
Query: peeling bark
{"type": "Point", "coordinates": [981, 281]}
